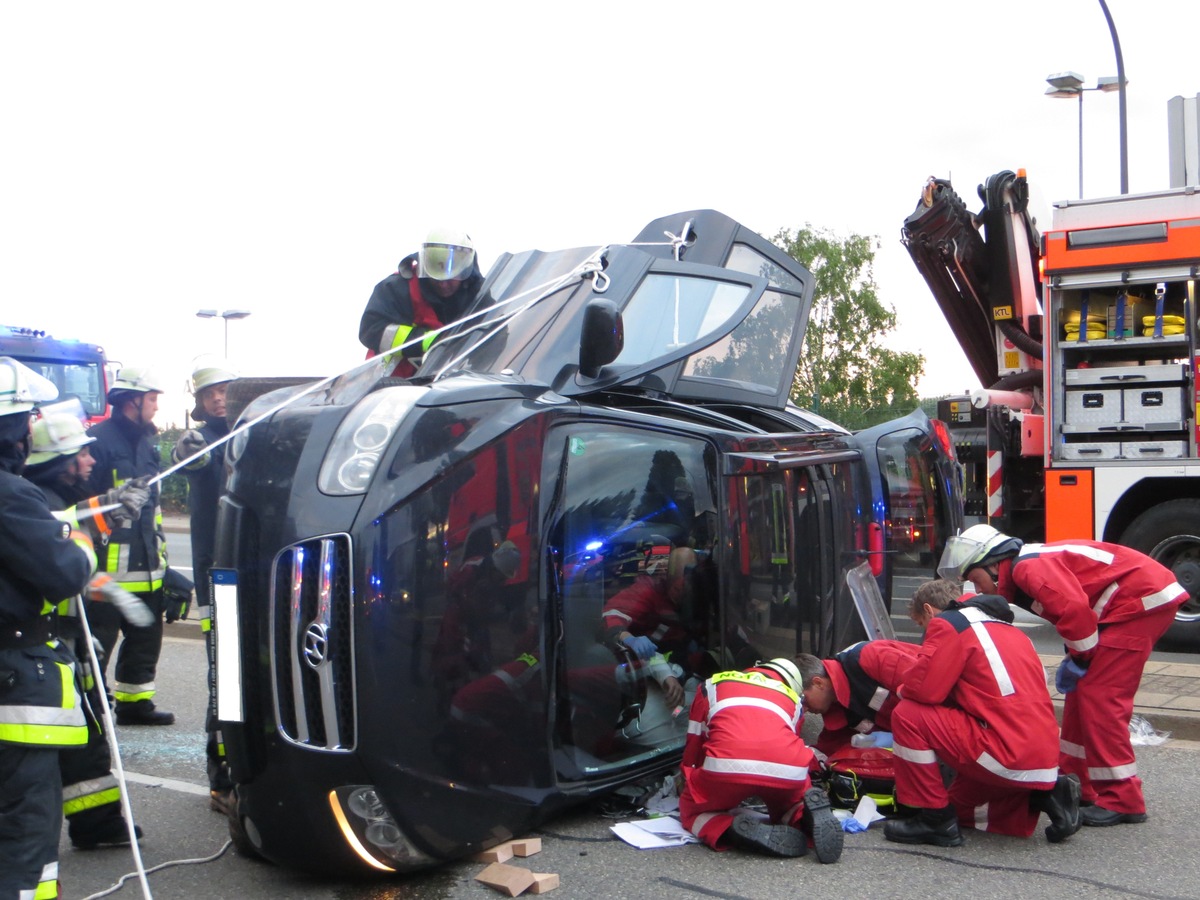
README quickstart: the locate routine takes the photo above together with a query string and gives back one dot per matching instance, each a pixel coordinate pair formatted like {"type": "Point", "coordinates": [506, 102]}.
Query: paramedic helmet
{"type": "Point", "coordinates": [977, 546]}
{"type": "Point", "coordinates": [210, 370]}
{"type": "Point", "coordinates": [447, 254]}
{"type": "Point", "coordinates": [134, 380]}
{"type": "Point", "coordinates": [21, 388]}
{"type": "Point", "coordinates": [56, 434]}
{"type": "Point", "coordinates": [787, 670]}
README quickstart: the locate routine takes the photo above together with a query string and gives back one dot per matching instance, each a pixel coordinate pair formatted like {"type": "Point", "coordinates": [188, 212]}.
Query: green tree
{"type": "Point", "coordinates": [847, 373]}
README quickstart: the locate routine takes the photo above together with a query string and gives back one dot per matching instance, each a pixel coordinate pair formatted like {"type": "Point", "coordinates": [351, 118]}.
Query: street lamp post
{"type": "Point", "coordinates": [1070, 84]}
{"type": "Point", "coordinates": [226, 315]}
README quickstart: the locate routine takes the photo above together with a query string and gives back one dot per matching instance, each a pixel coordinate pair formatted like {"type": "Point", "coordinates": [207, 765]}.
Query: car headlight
{"type": "Point", "coordinates": [356, 448]}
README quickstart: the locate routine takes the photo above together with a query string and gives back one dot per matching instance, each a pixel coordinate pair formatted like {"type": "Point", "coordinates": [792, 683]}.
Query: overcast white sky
{"type": "Point", "coordinates": [160, 158]}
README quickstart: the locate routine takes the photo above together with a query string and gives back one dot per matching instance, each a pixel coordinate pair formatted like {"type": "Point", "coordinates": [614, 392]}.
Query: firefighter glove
{"type": "Point", "coordinates": [190, 443]}
{"type": "Point", "coordinates": [177, 594]}
{"type": "Point", "coordinates": [1069, 673]}
{"type": "Point", "coordinates": [104, 589]}
{"type": "Point", "coordinates": [128, 499]}
{"type": "Point", "coordinates": [642, 646]}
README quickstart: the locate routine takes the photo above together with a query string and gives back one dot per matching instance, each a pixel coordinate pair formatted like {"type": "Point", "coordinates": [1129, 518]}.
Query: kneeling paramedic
{"type": "Point", "coordinates": [744, 741]}
{"type": "Point", "coordinates": [976, 700]}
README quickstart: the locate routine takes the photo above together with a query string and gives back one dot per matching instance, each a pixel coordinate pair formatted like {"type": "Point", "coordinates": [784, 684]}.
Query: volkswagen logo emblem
{"type": "Point", "coordinates": [316, 645]}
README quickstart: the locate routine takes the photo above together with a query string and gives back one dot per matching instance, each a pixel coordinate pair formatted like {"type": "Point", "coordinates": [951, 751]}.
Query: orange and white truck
{"type": "Point", "coordinates": [1085, 336]}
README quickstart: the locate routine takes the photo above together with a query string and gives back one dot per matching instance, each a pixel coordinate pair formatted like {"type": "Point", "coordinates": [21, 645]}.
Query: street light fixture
{"type": "Point", "coordinates": [1070, 84]}
{"type": "Point", "coordinates": [226, 315]}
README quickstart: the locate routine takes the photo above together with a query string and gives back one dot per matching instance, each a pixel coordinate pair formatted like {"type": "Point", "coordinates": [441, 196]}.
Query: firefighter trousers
{"type": "Point", "coordinates": [1095, 727]}
{"type": "Point", "coordinates": [707, 797]}
{"type": "Point", "coordinates": [987, 798]}
{"type": "Point", "coordinates": [137, 658]}
{"type": "Point", "coordinates": [30, 821]}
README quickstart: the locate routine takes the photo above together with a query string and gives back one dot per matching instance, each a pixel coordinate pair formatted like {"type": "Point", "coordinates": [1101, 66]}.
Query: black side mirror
{"type": "Point", "coordinates": [602, 337]}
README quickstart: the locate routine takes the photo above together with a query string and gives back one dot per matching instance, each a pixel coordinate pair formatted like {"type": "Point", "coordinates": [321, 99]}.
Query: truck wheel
{"type": "Point", "coordinates": [1170, 534]}
{"type": "Point", "coordinates": [240, 392]}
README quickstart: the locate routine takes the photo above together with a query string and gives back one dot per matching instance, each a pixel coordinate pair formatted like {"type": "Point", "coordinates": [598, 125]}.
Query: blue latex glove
{"type": "Point", "coordinates": [642, 646]}
{"type": "Point", "coordinates": [853, 826]}
{"type": "Point", "coordinates": [1068, 675]}
{"type": "Point", "coordinates": [883, 739]}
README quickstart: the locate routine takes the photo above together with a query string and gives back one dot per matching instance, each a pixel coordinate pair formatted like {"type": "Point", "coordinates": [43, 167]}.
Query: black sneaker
{"type": "Point", "coordinates": [750, 833]}
{"type": "Point", "coordinates": [1099, 817]}
{"type": "Point", "coordinates": [111, 833]}
{"type": "Point", "coordinates": [143, 712]}
{"type": "Point", "coordinates": [1061, 804]}
{"type": "Point", "coordinates": [822, 826]}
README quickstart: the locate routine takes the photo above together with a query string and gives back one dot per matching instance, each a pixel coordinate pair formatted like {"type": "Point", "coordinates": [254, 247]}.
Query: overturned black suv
{"type": "Point", "coordinates": [450, 606]}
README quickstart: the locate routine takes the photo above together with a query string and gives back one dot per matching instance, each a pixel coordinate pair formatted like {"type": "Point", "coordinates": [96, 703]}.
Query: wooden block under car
{"type": "Point", "coordinates": [543, 881]}
{"type": "Point", "coordinates": [526, 846]}
{"type": "Point", "coordinates": [510, 880]}
{"type": "Point", "coordinates": [498, 854]}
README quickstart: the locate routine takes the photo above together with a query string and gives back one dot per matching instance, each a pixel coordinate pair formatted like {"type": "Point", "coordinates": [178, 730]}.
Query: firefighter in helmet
{"type": "Point", "coordinates": [205, 473]}
{"type": "Point", "coordinates": [43, 561]}
{"type": "Point", "coordinates": [1109, 604]}
{"type": "Point", "coordinates": [135, 556]}
{"type": "Point", "coordinates": [429, 289]}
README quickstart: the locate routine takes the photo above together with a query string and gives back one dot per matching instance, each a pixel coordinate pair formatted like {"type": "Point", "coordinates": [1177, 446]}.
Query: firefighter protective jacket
{"type": "Point", "coordinates": [205, 483]}
{"type": "Point", "coordinates": [395, 313]}
{"type": "Point", "coordinates": [42, 562]}
{"type": "Point", "coordinates": [974, 659]}
{"type": "Point", "coordinates": [746, 726]}
{"type": "Point", "coordinates": [136, 556]}
{"type": "Point", "coordinates": [1080, 586]}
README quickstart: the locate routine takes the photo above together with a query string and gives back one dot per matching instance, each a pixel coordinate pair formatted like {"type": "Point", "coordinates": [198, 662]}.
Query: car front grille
{"type": "Point", "coordinates": [312, 642]}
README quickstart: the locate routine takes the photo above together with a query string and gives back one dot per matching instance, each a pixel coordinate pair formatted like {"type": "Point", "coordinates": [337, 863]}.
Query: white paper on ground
{"type": "Point", "coordinates": [651, 834]}
{"type": "Point", "coordinates": [867, 812]}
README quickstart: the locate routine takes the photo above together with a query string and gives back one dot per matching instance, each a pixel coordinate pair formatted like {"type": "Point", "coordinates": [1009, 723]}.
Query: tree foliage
{"type": "Point", "coordinates": [847, 372]}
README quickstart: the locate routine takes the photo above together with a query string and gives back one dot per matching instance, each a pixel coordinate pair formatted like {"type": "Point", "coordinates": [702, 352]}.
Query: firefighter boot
{"type": "Point", "coordinates": [929, 826]}
{"type": "Point", "coordinates": [1061, 804]}
{"type": "Point", "coordinates": [104, 826]}
{"type": "Point", "coordinates": [820, 824]}
{"type": "Point", "coordinates": [754, 834]}
{"type": "Point", "coordinates": [1099, 817]}
{"type": "Point", "coordinates": [142, 712]}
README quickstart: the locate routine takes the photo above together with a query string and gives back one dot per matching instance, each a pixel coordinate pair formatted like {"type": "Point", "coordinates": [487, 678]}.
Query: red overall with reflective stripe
{"type": "Point", "coordinates": [1110, 604]}
{"type": "Point", "coordinates": [976, 699]}
{"type": "Point", "coordinates": [743, 741]}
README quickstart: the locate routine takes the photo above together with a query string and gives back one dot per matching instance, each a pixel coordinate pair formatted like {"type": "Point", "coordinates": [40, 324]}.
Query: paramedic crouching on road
{"type": "Point", "coordinates": [429, 289]}
{"type": "Point", "coordinates": [744, 740]}
{"type": "Point", "coordinates": [1110, 604]}
{"type": "Point", "coordinates": [976, 699]}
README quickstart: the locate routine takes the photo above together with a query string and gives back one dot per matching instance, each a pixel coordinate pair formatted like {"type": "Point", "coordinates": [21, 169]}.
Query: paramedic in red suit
{"type": "Point", "coordinates": [855, 691]}
{"type": "Point", "coordinates": [976, 700]}
{"type": "Point", "coordinates": [1110, 604]}
{"type": "Point", "coordinates": [744, 741]}
{"type": "Point", "coordinates": [429, 289]}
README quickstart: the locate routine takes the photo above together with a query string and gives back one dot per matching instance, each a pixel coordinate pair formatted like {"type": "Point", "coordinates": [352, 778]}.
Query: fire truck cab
{"type": "Point", "coordinates": [79, 370]}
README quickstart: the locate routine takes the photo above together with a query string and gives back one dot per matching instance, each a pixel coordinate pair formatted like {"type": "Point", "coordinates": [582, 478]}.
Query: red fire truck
{"type": "Point", "coordinates": [78, 369]}
{"type": "Point", "coordinates": [1085, 337]}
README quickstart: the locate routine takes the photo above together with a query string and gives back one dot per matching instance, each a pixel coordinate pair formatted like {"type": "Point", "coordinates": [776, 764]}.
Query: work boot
{"type": "Point", "coordinates": [1099, 817]}
{"type": "Point", "coordinates": [223, 802]}
{"type": "Point", "coordinates": [821, 825]}
{"type": "Point", "coordinates": [111, 832]}
{"type": "Point", "coordinates": [754, 834]}
{"type": "Point", "coordinates": [1061, 804]}
{"type": "Point", "coordinates": [143, 712]}
{"type": "Point", "coordinates": [929, 826]}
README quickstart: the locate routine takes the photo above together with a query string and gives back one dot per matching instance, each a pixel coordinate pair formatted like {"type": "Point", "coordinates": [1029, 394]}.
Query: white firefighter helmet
{"type": "Point", "coordinates": [210, 370]}
{"type": "Point", "coordinates": [787, 670]}
{"type": "Point", "coordinates": [56, 434]}
{"type": "Point", "coordinates": [136, 379]}
{"type": "Point", "coordinates": [978, 544]}
{"type": "Point", "coordinates": [21, 388]}
{"type": "Point", "coordinates": [447, 253]}
{"type": "Point", "coordinates": [506, 558]}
